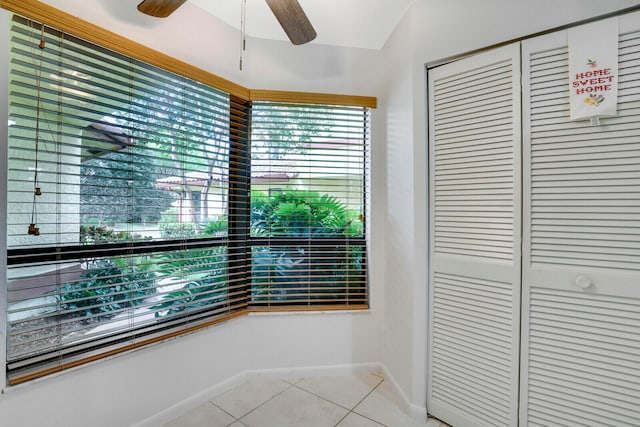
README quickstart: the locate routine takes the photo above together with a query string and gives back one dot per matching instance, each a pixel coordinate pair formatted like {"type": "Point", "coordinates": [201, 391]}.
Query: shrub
{"type": "Point", "coordinates": [217, 228]}
{"type": "Point", "coordinates": [290, 271]}
{"type": "Point", "coordinates": [94, 234]}
{"type": "Point", "coordinates": [170, 228]}
{"type": "Point", "coordinates": [201, 293]}
{"type": "Point", "coordinates": [302, 213]}
{"type": "Point", "coordinates": [106, 287]}
{"type": "Point", "coordinates": [177, 230]}
{"type": "Point", "coordinates": [205, 271]}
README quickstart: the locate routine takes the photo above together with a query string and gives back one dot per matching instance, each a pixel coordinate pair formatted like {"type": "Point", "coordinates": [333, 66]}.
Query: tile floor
{"type": "Point", "coordinates": [363, 400]}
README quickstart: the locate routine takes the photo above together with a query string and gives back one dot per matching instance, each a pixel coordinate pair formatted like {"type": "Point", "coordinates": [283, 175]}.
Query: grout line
{"type": "Point", "coordinates": [376, 374]}
{"type": "Point", "coordinates": [337, 404]}
{"type": "Point", "coordinates": [368, 394]}
{"type": "Point", "coordinates": [323, 398]}
{"type": "Point", "coordinates": [292, 384]}
{"type": "Point", "coordinates": [266, 401]}
{"type": "Point", "coordinates": [349, 410]}
{"type": "Point", "coordinates": [362, 400]}
{"type": "Point", "coordinates": [235, 420]}
{"type": "Point", "coordinates": [342, 419]}
{"type": "Point", "coordinates": [238, 419]}
{"type": "Point", "coordinates": [360, 415]}
{"type": "Point", "coordinates": [222, 409]}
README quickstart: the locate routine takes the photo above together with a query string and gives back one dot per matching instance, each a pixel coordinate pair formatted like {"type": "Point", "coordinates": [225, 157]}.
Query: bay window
{"type": "Point", "coordinates": [143, 204]}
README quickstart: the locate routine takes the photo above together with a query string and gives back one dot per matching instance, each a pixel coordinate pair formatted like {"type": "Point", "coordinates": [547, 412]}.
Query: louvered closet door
{"type": "Point", "coordinates": [581, 265]}
{"type": "Point", "coordinates": [474, 150]}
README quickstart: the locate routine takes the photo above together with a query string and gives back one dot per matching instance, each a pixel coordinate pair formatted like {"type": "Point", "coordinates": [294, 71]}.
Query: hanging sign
{"type": "Point", "coordinates": [593, 69]}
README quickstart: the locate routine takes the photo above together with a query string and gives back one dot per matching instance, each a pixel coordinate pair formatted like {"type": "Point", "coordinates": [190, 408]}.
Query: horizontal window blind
{"type": "Point", "coordinates": [118, 201]}
{"type": "Point", "coordinates": [308, 197]}
{"type": "Point", "coordinates": [143, 205]}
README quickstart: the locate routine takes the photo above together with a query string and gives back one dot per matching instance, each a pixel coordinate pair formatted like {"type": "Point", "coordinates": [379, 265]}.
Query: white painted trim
{"type": "Point", "coordinates": [416, 412]}
{"type": "Point", "coordinates": [196, 400]}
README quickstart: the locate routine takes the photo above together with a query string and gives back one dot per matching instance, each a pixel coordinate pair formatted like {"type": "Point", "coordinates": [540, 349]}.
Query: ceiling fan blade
{"type": "Point", "coordinates": [293, 20]}
{"type": "Point", "coordinates": [159, 8]}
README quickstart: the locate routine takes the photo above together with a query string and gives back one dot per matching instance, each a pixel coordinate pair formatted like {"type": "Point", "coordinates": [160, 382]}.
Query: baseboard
{"type": "Point", "coordinates": [174, 411]}
{"type": "Point", "coordinates": [313, 371]}
{"type": "Point", "coordinates": [194, 401]}
{"type": "Point", "coordinates": [418, 413]}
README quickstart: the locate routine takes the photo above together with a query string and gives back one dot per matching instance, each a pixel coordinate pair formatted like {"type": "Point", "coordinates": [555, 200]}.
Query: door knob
{"type": "Point", "coordinates": [583, 282]}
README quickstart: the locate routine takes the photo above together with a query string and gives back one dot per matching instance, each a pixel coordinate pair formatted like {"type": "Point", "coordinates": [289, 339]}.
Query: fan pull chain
{"type": "Point", "coordinates": [243, 31]}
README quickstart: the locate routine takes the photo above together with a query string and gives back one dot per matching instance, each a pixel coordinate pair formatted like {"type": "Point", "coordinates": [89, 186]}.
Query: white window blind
{"type": "Point", "coordinates": [139, 210]}
{"type": "Point", "coordinates": [308, 184]}
{"type": "Point", "coordinates": [119, 227]}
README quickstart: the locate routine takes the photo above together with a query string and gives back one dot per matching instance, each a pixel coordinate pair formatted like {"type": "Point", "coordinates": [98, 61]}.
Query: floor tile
{"type": "Point", "coordinates": [241, 400]}
{"type": "Point", "coordinates": [346, 391]}
{"type": "Point", "coordinates": [355, 420]}
{"type": "Point", "coordinates": [206, 415]}
{"type": "Point", "coordinates": [295, 408]}
{"type": "Point", "coordinates": [384, 406]}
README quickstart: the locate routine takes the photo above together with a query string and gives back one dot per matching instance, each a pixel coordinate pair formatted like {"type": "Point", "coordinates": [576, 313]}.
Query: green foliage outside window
{"type": "Point", "coordinates": [302, 213]}
{"type": "Point", "coordinates": [204, 272]}
{"type": "Point", "coordinates": [107, 286]}
{"type": "Point", "coordinates": [110, 285]}
{"type": "Point", "coordinates": [290, 273]}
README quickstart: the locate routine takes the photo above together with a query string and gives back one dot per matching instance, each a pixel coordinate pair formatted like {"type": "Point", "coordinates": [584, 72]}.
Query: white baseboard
{"type": "Point", "coordinates": [194, 401]}
{"type": "Point", "coordinates": [418, 413]}
{"type": "Point", "coordinates": [174, 411]}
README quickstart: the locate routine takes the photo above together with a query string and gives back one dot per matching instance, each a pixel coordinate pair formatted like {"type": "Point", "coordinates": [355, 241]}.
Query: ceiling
{"type": "Point", "coordinates": [351, 23]}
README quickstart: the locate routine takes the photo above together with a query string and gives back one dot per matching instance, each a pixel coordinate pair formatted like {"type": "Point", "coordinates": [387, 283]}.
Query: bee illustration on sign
{"type": "Point", "coordinates": [594, 100]}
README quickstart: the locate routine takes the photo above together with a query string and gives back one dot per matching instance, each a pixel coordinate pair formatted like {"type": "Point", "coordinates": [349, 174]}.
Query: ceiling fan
{"type": "Point", "coordinates": [289, 13]}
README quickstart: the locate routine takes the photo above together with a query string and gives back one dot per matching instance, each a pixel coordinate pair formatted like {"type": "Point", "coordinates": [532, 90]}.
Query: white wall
{"type": "Point", "coordinates": [433, 30]}
{"type": "Point", "coordinates": [132, 387]}
{"type": "Point", "coordinates": [405, 268]}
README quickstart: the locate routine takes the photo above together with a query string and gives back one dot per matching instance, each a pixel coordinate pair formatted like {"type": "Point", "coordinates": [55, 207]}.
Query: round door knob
{"type": "Point", "coordinates": [583, 282]}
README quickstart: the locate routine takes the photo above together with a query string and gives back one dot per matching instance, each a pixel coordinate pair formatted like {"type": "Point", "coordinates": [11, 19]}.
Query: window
{"type": "Point", "coordinates": [307, 204]}
{"type": "Point", "coordinates": [143, 205]}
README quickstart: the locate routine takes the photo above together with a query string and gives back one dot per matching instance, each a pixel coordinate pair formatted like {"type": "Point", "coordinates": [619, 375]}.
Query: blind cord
{"type": "Point", "coordinates": [33, 228]}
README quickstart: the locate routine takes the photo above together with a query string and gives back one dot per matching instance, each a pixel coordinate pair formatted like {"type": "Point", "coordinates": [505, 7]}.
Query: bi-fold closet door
{"type": "Point", "coordinates": [552, 338]}
{"type": "Point", "coordinates": [581, 251]}
{"type": "Point", "coordinates": [474, 311]}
